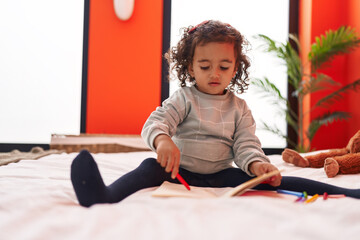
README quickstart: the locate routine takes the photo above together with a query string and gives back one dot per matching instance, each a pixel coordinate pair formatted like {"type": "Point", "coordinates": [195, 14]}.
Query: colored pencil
{"type": "Point", "coordinates": [183, 181]}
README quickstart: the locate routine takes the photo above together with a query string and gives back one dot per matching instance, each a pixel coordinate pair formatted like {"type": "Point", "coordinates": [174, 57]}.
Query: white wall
{"type": "Point", "coordinates": [250, 17]}
{"type": "Point", "coordinates": [41, 45]}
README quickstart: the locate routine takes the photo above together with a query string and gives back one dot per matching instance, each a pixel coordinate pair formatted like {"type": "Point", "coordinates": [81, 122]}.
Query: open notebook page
{"type": "Point", "coordinates": [168, 189]}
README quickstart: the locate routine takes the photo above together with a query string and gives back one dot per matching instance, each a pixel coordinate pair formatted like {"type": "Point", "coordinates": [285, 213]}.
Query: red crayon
{"type": "Point", "coordinates": [183, 181]}
{"type": "Point", "coordinates": [325, 196]}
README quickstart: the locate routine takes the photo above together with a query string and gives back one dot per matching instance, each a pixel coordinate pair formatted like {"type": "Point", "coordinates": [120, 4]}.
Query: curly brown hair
{"type": "Point", "coordinates": [182, 54]}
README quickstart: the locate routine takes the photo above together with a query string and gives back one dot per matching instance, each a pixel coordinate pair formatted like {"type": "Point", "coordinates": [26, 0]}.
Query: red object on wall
{"type": "Point", "coordinates": [344, 69]}
{"type": "Point", "coordinates": [124, 67]}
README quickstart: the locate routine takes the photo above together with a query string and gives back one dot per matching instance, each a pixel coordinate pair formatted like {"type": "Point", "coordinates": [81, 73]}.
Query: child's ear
{"type": "Point", "coordinates": [191, 70]}
{"type": "Point", "coordinates": [235, 71]}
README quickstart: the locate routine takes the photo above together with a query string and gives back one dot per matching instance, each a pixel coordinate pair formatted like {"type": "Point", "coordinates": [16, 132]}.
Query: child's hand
{"type": "Point", "coordinates": [259, 168]}
{"type": "Point", "coordinates": [168, 154]}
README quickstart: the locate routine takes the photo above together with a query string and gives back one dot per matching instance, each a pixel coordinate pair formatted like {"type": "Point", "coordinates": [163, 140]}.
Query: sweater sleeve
{"type": "Point", "coordinates": [165, 119]}
{"type": "Point", "coordinates": [247, 146]}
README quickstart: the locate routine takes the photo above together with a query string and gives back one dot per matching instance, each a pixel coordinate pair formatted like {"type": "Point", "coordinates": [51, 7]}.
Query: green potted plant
{"type": "Point", "coordinates": [323, 50]}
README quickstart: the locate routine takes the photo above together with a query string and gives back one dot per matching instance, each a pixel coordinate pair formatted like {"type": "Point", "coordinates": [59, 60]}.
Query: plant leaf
{"type": "Point", "coordinates": [293, 64]}
{"type": "Point", "coordinates": [333, 43]}
{"type": "Point", "coordinates": [338, 95]}
{"type": "Point", "coordinates": [286, 53]}
{"type": "Point", "coordinates": [325, 119]}
{"type": "Point", "coordinates": [291, 121]}
{"type": "Point", "coordinates": [269, 88]}
{"type": "Point", "coordinates": [278, 132]}
{"type": "Point", "coordinates": [316, 83]}
{"type": "Point", "coordinates": [273, 129]}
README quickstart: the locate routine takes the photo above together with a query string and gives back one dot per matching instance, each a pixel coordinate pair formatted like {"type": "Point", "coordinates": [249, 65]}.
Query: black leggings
{"type": "Point", "coordinates": [90, 188]}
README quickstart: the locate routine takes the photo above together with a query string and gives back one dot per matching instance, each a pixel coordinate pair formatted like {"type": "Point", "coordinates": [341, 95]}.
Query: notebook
{"type": "Point", "coordinates": [168, 189]}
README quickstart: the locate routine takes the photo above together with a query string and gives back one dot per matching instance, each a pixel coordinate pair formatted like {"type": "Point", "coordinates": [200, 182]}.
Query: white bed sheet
{"type": "Point", "coordinates": [37, 202]}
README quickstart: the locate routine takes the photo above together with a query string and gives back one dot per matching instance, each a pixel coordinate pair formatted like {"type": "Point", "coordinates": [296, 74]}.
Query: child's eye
{"type": "Point", "coordinates": [224, 68]}
{"type": "Point", "coordinates": [204, 68]}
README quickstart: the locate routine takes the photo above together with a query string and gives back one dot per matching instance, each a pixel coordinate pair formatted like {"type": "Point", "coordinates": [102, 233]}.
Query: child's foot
{"type": "Point", "coordinates": [331, 167]}
{"type": "Point", "coordinates": [291, 156]}
{"type": "Point", "coordinates": [86, 179]}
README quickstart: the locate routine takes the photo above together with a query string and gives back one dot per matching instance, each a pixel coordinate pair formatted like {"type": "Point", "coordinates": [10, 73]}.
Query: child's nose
{"type": "Point", "coordinates": [215, 73]}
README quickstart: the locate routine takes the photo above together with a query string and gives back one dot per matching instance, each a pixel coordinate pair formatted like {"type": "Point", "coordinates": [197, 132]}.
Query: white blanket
{"type": "Point", "coordinates": [37, 202]}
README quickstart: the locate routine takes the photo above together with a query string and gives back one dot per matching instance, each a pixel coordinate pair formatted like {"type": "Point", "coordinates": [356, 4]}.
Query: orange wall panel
{"type": "Point", "coordinates": [305, 42]}
{"type": "Point", "coordinates": [343, 69]}
{"type": "Point", "coordinates": [329, 15]}
{"type": "Point", "coordinates": [124, 67]}
{"type": "Point", "coordinates": [354, 70]}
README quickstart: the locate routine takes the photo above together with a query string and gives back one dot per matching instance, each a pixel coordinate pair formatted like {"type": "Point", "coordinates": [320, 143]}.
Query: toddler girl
{"type": "Point", "coordinates": [201, 130]}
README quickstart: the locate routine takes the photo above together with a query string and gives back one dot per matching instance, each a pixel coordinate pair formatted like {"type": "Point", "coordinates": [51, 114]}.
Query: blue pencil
{"type": "Point", "coordinates": [298, 194]}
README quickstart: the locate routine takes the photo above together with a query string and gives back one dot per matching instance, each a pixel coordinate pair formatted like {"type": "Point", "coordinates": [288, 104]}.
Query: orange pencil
{"type": "Point", "coordinates": [312, 199]}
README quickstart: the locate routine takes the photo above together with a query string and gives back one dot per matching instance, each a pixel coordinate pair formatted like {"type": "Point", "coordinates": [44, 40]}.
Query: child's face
{"type": "Point", "coordinates": [213, 67]}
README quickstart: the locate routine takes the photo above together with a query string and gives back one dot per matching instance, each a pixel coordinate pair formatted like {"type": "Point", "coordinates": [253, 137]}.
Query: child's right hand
{"type": "Point", "coordinates": [168, 154]}
{"type": "Point", "coordinates": [259, 168]}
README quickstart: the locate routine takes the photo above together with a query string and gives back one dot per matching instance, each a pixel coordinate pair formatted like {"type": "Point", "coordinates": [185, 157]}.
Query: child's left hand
{"type": "Point", "coordinates": [259, 168]}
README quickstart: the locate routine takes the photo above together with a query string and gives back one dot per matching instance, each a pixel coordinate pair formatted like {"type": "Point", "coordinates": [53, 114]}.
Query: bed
{"type": "Point", "coordinates": [37, 202]}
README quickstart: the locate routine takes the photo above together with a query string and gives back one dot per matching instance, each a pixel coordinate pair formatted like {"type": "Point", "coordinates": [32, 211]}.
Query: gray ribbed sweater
{"type": "Point", "coordinates": [211, 131]}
